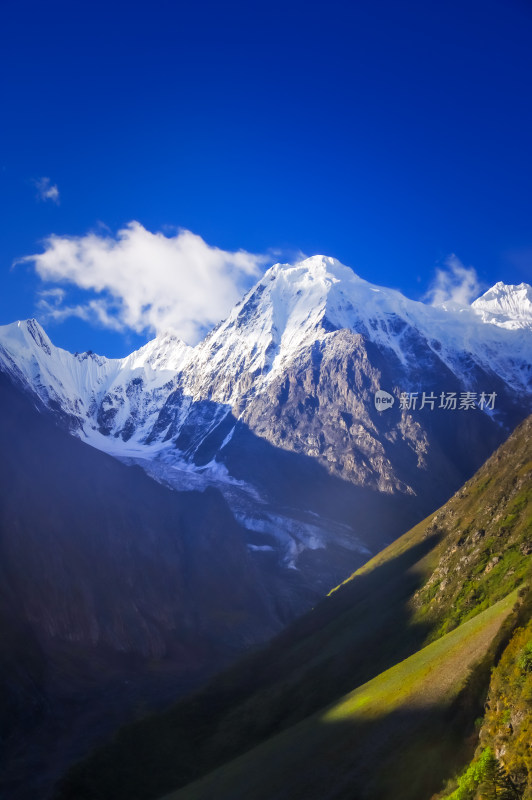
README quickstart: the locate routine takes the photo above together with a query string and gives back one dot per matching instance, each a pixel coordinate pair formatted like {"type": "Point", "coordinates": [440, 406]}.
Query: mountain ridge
{"type": "Point", "coordinates": [296, 364]}
{"type": "Point", "coordinates": [305, 302]}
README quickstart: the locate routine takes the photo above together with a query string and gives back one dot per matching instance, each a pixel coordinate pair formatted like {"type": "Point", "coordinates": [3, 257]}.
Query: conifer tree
{"type": "Point", "coordinates": [495, 783]}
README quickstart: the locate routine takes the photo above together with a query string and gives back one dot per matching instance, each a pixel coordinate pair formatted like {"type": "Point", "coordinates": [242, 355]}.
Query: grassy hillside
{"type": "Point", "coordinates": [363, 744]}
{"type": "Point", "coordinates": [485, 540]}
{"type": "Point", "coordinates": [505, 738]}
{"type": "Point", "coordinates": [448, 569]}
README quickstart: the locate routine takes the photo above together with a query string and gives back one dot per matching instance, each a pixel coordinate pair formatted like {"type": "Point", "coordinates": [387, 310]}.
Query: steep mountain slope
{"type": "Point", "coordinates": [294, 370]}
{"type": "Point", "coordinates": [507, 726]}
{"type": "Point", "coordinates": [502, 765]}
{"type": "Point", "coordinates": [391, 713]}
{"type": "Point", "coordinates": [70, 513]}
{"type": "Point", "coordinates": [439, 576]}
{"type": "Point", "coordinates": [113, 588]}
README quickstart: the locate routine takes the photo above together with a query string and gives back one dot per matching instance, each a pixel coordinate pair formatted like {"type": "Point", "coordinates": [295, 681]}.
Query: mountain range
{"type": "Point", "coordinates": [293, 370]}
{"type": "Point", "coordinates": [163, 513]}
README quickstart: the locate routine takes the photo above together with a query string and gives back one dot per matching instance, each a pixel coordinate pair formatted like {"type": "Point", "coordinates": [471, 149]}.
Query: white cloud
{"type": "Point", "coordinates": [52, 296]}
{"type": "Point", "coordinates": [46, 190]}
{"type": "Point", "coordinates": [145, 281]}
{"type": "Point", "coordinates": [51, 306]}
{"type": "Point", "coordinates": [455, 284]}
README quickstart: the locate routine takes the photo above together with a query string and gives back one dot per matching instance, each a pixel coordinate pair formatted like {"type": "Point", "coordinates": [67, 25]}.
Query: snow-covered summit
{"type": "Point", "coordinates": [294, 305]}
{"type": "Point", "coordinates": [90, 388]}
{"type": "Point", "coordinates": [167, 352]}
{"type": "Point", "coordinates": [290, 310]}
{"type": "Point", "coordinates": [509, 306]}
{"type": "Point", "coordinates": [52, 373]}
{"type": "Point", "coordinates": [25, 335]}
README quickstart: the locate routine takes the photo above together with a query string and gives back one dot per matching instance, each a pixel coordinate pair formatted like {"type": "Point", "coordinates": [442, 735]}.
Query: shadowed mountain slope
{"type": "Point", "coordinates": [458, 563]}
{"type": "Point", "coordinates": [114, 592]}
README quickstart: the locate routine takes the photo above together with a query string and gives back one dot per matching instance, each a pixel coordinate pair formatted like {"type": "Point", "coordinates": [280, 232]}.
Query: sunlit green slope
{"type": "Point", "coordinates": [366, 742]}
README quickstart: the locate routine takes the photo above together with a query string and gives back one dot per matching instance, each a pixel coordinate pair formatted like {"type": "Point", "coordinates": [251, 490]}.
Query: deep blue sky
{"type": "Point", "coordinates": [388, 134]}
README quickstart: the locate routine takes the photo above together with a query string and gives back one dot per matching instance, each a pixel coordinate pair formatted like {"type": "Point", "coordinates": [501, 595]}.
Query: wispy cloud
{"type": "Point", "coordinates": [46, 190]}
{"type": "Point", "coordinates": [144, 281]}
{"type": "Point", "coordinates": [95, 311]}
{"type": "Point", "coordinates": [52, 306]}
{"type": "Point", "coordinates": [454, 284]}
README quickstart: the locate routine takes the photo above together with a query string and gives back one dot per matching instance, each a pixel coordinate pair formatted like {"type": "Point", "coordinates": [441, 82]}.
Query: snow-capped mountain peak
{"type": "Point", "coordinates": [167, 352]}
{"type": "Point", "coordinates": [25, 335]}
{"type": "Point", "coordinates": [296, 363]}
{"type": "Point", "coordinates": [506, 305]}
{"type": "Point", "coordinates": [292, 309]}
